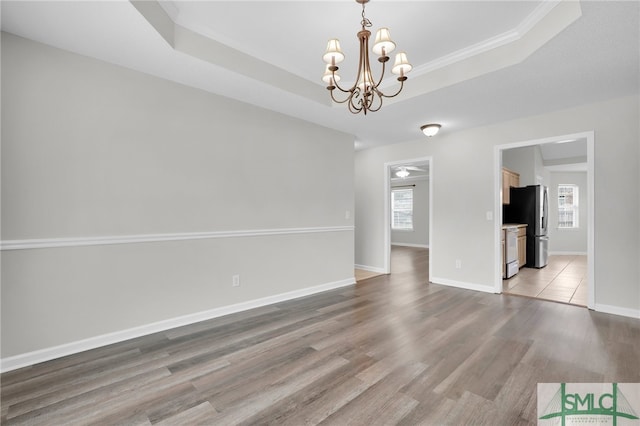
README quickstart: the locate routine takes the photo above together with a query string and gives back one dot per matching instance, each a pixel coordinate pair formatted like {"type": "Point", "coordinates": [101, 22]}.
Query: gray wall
{"type": "Point", "coordinates": [419, 236]}
{"type": "Point", "coordinates": [463, 171]}
{"type": "Point", "coordinates": [568, 241]}
{"type": "Point", "coordinates": [527, 161]}
{"type": "Point", "coordinates": [94, 151]}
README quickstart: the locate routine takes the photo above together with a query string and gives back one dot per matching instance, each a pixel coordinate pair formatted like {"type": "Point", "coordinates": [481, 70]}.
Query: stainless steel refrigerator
{"type": "Point", "coordinates": [530, 205]}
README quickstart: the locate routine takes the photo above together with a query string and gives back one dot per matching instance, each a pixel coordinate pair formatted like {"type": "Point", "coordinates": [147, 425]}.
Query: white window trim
{"type": "Point", "coordinates": [394, 229]}
{"type": "Point", "coordinates": [575, 207]}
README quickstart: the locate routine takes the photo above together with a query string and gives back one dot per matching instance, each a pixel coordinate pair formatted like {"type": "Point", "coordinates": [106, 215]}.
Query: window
{"type": "Point", "coordinates": [402, 209]}
{"type": "Point", "coordinates": [567, 206]}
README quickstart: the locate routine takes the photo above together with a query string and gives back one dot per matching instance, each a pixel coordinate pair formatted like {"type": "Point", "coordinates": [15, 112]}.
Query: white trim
{"type": "Point", "coordinates": [387, 208]}
{"type": "Point", "coordinates": [400, 181]}
{"type": "Point", "coordinates": [567, 253]}
{"type": "Point", "coordinates": [491, 43]}
{"type": "Point", "coordinates": [497, 217]}
{"type": "Point", "coordinates": [152, 238]}
{"type": "Point", "coordinates": [616, 310]}
{"type": "Point", "coordinates": [30, 358]}
{"type": "Point", "coordinates": [461, 284]}
{"type": "Point", "coordinates": [410, 245]}
{"type": "Point", "coordinates": [591, 222]}
{"type": "Point", "coordinates": [497, 160]}
{"type": "Point", "coordinates": [370, 268]}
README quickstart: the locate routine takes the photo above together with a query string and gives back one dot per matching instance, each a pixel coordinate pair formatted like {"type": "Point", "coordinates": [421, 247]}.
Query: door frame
{"type": "Point", "coordinates": [590, 137]}
{"type": "Point", "coordinates": [387, 208]}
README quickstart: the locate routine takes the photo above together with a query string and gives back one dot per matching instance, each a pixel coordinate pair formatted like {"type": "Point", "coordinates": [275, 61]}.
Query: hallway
{"type": "Point", "coordinates": [404, 259]}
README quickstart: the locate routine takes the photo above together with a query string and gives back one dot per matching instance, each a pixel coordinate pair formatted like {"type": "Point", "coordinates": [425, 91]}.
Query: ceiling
{"type": "Point", "coordinates": [565, 155]}
{"type": "Point", "coordinates": [418, 170]}
{"type": "Point", "coordinates": [475, 62]}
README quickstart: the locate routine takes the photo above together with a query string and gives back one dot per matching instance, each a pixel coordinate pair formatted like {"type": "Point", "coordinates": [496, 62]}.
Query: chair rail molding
{"type": "Point", "coordinates": [149, 238]}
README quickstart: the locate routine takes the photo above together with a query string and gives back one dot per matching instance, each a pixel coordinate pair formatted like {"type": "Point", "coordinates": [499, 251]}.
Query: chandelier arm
{"type": "Point", "coordinates": [357, 94]}
{"type": "Point", "coordinates": [338, 101]}
{"type": "Point", "coordinates": [382, 74]}
{"type": "Point", "coordinates": [367, 80]}
{"type": "Point", "coordinates": [379, 97]}
{"type": "Point", "coordinates": [335, 83]}
{"type": "Point", "coordinates": [361, 57]}
{"type": "Point", "coordinates": [356, 102]}
{"type": "Point", "coordinates": [353, 108]}
{"type": "Point", "coordinates": [395, 94]}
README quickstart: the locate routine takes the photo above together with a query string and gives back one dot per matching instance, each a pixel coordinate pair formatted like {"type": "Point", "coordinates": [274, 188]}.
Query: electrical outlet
{"type": "Point", "coordinates": [235, 281]}
{"type": "Point", "coordinates": [458, 264]}
{"type": "Point", "coordinates": [347, 214]}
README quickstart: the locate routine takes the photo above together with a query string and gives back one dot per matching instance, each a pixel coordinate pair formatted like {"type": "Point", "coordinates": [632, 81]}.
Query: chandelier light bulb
{"type": "Point", "coordinates": [402, 66]}
{"type": "Point", "coordinates": [366, 82]}
{"type": "Point", "coordinates": [333, 55]}
{"type": "Point", "coordinates": [383, 43]}
{"type": "Point", "coordinates": [328, 76]}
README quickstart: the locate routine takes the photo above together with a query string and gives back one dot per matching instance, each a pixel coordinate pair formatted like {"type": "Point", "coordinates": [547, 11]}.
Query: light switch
{"type": "Point", "coordinates": [489, 215]}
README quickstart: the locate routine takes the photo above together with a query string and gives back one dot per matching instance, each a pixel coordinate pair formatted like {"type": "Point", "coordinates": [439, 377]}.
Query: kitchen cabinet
{"type": "Point", "coordinates": [522, 245]}
{"type": "Point", "coordinates": [509, 179]}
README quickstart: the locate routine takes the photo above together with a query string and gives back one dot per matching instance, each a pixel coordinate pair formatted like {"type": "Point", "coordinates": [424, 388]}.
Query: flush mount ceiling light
{"type": "Point", "coordinates": [364, 95]}
{"type": "Point", "coordinates": [430, 129]}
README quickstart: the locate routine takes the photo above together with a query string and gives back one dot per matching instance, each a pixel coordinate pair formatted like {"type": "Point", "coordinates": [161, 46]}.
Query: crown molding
{"type": "Point", "coordinates": [489, 44]}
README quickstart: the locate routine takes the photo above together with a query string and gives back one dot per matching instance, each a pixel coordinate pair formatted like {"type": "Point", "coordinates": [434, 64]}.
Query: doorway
{"type": "Point", "coordinates": [409, 233]}
{"type": "Point", "coordinates": [561, 161]}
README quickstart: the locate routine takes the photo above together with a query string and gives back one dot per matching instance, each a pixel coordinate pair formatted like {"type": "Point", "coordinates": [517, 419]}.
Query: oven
{"type": "Point", "coordinates": [511, 251]}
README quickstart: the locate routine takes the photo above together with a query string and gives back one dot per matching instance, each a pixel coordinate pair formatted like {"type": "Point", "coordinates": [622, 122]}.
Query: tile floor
{"type": "Point", "coordinates": [564, 279]}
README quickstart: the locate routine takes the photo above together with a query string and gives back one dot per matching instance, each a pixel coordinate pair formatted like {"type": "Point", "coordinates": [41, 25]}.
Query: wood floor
{"type": "Point", "coordinates": [361, 274]}
{"type": "Point", "coordinates": [391, 349]}
{"type": "Point", "coordinates": [564, 279]}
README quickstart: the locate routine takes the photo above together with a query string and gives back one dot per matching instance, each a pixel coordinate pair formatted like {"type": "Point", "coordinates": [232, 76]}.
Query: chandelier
{"type": "Point", "coordinates": [364, 95]}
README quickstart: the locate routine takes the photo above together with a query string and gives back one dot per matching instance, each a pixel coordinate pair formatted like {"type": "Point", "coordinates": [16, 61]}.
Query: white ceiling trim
{"type": "Point", "coordinates": [492, 43]}
{"type": "Point", "coordinates": [556, 20]}
{"type": "Point", "coordinates": [556, 64]}
{"type": "Point", "coordinates": [481, 58]}
{"type": "Point", "coordinates": [204, 48]}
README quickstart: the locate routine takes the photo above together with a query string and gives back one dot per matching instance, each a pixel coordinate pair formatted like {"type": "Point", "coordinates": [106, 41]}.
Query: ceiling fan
{"type": "Point", "coordinates": [403, 171]}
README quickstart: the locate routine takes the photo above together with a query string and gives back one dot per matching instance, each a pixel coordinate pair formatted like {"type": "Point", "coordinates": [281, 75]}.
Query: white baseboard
{"type": "Point", "coordinates": [616, 310]}
{"type": "Point", "coordinates": [567, 253]}
{"type": "Point", "coordinates": [370, 268]}
{"type": "Point", "coordinates": [410, 245]}
{"type": "Point", "coordinates": [30, 358]}
{"type": "Point", "coordinates": [462, 284]}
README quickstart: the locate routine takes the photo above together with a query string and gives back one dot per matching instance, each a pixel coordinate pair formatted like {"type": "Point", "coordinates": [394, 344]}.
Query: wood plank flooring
{"type": "Point", "coordinates": [392, 349]}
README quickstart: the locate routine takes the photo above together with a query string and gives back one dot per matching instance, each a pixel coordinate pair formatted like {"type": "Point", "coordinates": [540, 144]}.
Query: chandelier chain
{"type": "Point", "coordinates": [366, 23]}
